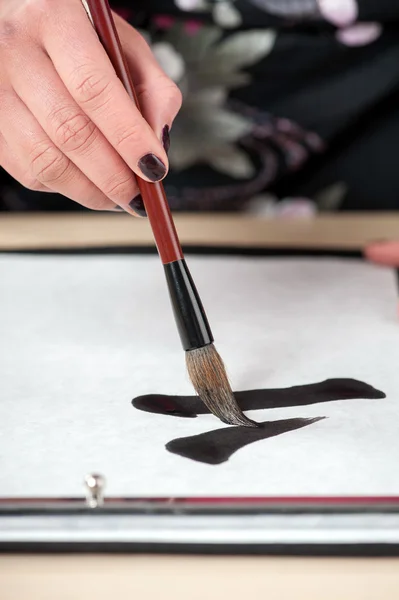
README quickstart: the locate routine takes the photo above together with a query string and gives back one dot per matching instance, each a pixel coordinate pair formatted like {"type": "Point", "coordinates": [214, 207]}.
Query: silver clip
{"type": "Point", "coordinates": [95, 485]}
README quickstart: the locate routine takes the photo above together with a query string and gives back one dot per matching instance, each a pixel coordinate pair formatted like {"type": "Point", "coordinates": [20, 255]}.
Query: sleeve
{"type": "Point", "coordinates": [385, 11]}
{"type": "Point", "coordinates": [337, 12]}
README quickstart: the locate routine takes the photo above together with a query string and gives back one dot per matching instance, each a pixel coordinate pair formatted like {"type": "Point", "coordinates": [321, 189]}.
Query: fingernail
{"type": "Point", "coordinates": [152, 167]}
{"type": "Point", "coordinates": [137, 205]}
{"type": "Point", "coordinates": [166, 138]}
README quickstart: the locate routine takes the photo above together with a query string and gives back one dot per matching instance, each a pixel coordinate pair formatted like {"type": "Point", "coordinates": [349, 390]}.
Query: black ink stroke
{"type": "Point", "coordinates": [300, 395]}
{"type": "Point", "coordinates": [216, 447]}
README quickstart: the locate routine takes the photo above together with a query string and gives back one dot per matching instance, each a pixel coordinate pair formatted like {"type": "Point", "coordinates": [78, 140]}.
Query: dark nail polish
{"type": "Point", "coordinates": [137, 205]}
{"type": "Point", "coordinates": [152, 167]}
{"type": "Point", "coordinates": [166, 138]}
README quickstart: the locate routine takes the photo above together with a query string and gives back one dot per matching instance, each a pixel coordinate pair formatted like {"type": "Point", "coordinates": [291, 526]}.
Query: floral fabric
{"type": "Point", "coordinates": [289, 105]}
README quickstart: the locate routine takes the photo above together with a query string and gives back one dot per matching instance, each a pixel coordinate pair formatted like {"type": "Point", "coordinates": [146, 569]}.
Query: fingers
{"type": "Point", "coordinates": [12, 166]}
{"type": "Point", "coordinates": [82, 64]}
{"type": "Point", "coordinates": [40, 160]}
{"type": "Point", "coordinates": [71, 130]}
{"type": "Point", "coordinates": [10, 163]}
{"type": "Point", "coordinates": [383, 253]}
{"type": "Point", "coordinates": [68, 124]}
{"type": "Point", "coordinates": [160, 98]}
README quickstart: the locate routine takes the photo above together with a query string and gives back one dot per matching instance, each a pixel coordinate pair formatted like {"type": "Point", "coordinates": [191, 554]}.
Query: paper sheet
{"type": "Point", "coordinates": [82, 336]}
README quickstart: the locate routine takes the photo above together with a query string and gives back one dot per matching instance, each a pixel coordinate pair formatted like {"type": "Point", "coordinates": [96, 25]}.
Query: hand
{"type": "Point", "coordinates": [67, 124]}
{"type": "Point", "coordinates": [384, 253]}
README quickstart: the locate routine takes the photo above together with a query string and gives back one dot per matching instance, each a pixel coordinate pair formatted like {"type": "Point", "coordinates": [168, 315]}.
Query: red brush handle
{"type": "Point", "coordinates": [153, 194]}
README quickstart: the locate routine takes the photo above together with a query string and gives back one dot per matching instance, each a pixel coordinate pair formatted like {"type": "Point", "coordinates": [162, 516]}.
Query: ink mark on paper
{"type": "Point", "coordinates": [300, 395]}
{"type": "Point", "coordinates": [216, 447]}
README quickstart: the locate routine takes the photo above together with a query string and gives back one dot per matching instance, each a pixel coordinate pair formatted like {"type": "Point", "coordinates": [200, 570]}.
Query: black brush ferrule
{"type": "Point", "coordinates": [190, 316]}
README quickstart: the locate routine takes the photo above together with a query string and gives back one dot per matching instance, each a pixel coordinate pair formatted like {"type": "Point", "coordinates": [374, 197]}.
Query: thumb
{"type": "Point", "coordinates": [159, 97]}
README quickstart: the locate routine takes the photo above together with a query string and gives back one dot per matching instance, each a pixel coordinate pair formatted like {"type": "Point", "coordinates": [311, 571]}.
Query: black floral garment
{"type": "Point", "coordinates": [290, 106]}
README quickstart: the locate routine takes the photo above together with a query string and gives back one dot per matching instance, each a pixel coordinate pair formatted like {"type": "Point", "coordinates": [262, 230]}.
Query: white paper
{"type": "Point", "coordinates": [82, 336]}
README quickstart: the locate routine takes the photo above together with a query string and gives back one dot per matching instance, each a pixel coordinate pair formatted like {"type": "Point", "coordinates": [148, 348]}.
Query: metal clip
{"type": "Point", "coordinates": [95, 485]}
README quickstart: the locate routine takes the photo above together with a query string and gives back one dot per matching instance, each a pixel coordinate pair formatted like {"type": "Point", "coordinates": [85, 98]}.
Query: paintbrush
{"type": "Point", "coordinates": [205, 366]}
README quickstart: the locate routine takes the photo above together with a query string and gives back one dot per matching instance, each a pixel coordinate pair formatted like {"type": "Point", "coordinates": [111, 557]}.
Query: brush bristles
{"type": "Point", "coordinates": [208, 375]}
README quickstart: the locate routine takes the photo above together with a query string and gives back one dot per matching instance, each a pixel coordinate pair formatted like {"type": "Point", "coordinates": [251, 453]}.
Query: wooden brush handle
{"type": "Point", "coordinates": [153, 194]}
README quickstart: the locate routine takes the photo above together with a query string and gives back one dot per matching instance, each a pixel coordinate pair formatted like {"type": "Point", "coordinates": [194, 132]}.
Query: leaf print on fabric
{"type": "Point", "coordinates": [271, 140]}
{"type": "Point", "coordinates": [170, 61]}
{"type": "Point", "coordinates": [243, 49]}
{"type": "Point", "coordinates": [288, 8]}
{"type": "Point", "coordinates": [223, 12]}
{"type": "Point", "coordinates": [199, 134]}
{"type": "Point", "coordinates": [205, 130]}
{"type": "Point", "coordinates": [232, 161]}
{"type": "Point", "coordinates": [215, 96]}
{"type": "Point", "coordinates": [332, 197]}
{"type": "Point", "coordinates": [195, 47]}
{"type": "Point", "coordinates": [217, 134]}
{"type": "Point", "coordinates": [226, 15]}
{"type": "Point", "coordinates": [191, 5]}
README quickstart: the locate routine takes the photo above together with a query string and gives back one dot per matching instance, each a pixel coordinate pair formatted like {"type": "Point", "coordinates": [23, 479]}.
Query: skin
{"type": "Point", "coordinates": [384, 253]}
{"type": "Point", "coordinates": [66, 123]}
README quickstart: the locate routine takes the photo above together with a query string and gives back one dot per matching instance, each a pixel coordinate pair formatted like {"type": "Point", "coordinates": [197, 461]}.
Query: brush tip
{"type": "Point", "coordinates": [209, 378]}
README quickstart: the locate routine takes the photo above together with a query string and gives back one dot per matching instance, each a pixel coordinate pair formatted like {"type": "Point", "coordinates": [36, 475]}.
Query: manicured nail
{"type": "Point", "coordinates": [166, 138]}
{"type": "Point", "coordinates": [137, 205]}
{"type": "Point", "coordinates": [152, 167]}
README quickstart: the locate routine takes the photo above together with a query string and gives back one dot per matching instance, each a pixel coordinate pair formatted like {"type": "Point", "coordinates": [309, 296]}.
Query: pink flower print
{"type": "Point", "coordinates": [192, 26]}
{"type": "Point", "coordinates": [339, 12]}
{"type": "Point", "coordinates": [359, 34]}
{"type": "Point", "coordinates": [125, 13]}
{"type": "Point", "coordinates": [296, 208]}
{"type": "Point", "coordinates": [163, 22]}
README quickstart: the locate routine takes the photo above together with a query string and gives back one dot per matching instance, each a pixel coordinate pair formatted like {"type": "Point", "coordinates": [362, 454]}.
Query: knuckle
{"type": "Point", "coordinates": [161, 87]}
{"type": "Point", "coordinates": [38, 6]}
{"type": "Point", "coordinates": [92, 87]}
{"type": "Point", "coordinates": [32, 184]}
{"type": "Point", "coordinates": [48, 163]}
{"type": "Point", "coordinates": [100, 204]}
{"type": "Point", "coordinates": [175, 96]}
{"type": "Point", "coordinates": [22, 22]}
{"type": "Point", "coordinates": [8, 33]}
{"type": "Point", "coordinates": [127, 134]}
{"type": "Point", "coordinates": [143, 93]}
{"type": "Point", "coordinates": [4, 92]}
{"type": "Point", "coordinates": [120, 187]}
{"type": "Point", "coordinates": [73, 131]}
{"type": "Point", "coordinates": [46, 6]}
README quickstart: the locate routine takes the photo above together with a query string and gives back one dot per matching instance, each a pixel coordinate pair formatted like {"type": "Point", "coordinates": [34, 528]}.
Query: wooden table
{"type": "Point", "coordinates": [105, 577]}
{"type": "Point", "coordinates": [72, 577]}
{"type": "Point", "coordinates": [90, 230]}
